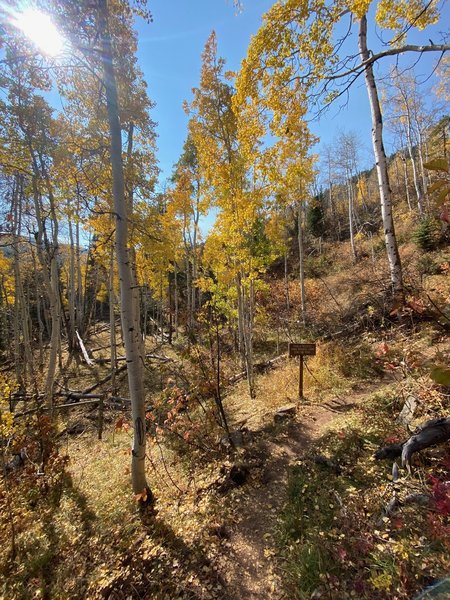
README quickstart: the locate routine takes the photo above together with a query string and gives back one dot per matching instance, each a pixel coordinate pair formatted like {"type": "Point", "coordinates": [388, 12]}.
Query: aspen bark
{"type": "Point", "coordinates": [245, 321]}
{"type": "Point", "coordinates": [405, 175]}
{"type": "Point", "coordinates": [393, 255]}
{"type": "Point", "coordinates": [286, 280]}
{"type": "Point", "coordinates": [79, 304]}
{"type": "Point", "coordinates": [51, 285]}
{"type": "Point", "coordinates": [423, 173]}
{"type": "Point", "coordinates": [22, 341]}
{"type": "Point", "coordinates": [301, 265]}
{"type": "Point", "coordinates": [414, 167]}
{"type": "Point", "coordinates": [71, 291]}
{"type": "Point", "coordinates": [350, 216]}
{"type": "Point", "coordinates": [112, 323]}
{"type": "Point", "coordinates": [175, 275]}
{"type": "Point", "coordinates": [130, 326]}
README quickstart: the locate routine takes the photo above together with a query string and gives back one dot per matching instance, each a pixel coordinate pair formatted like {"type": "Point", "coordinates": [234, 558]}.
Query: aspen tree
{"type": "Point", "coordinates": [130, 320]}
{"type": "Point", "coordinates": [296, 45]}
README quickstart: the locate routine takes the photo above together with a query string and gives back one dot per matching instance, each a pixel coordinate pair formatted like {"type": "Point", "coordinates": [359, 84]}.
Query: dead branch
{"type": "Point", "coordinates": [83, 350]}
{"type": "Point", "coordinates": [430, 433]}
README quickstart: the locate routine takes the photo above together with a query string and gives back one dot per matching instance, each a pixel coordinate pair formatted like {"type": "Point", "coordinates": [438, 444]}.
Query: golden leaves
{"type": "Point", "coordinates": [359, 7]}
{"type": "Point", "coordinates": [397, 14]}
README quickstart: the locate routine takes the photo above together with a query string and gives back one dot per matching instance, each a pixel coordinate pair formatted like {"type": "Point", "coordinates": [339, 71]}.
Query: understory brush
{"type": "Point", "coordinates": [338, 539]}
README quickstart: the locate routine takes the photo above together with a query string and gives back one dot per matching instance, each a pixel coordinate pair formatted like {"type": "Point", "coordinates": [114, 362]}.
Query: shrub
{"type": "Point", "coordinates": [426, 234]}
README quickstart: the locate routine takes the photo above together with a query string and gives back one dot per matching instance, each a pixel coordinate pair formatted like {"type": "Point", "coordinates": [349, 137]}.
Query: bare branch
{"type": "Point", "coordinates": [392, 52]}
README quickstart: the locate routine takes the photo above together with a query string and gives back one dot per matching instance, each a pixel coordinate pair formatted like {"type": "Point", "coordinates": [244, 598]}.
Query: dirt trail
{"type": "Point", "coordinates": [247, 564]}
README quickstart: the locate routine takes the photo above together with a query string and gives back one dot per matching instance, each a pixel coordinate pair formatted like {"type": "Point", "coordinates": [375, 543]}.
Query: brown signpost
{"type": "Point", "coordinates": [301, 350]}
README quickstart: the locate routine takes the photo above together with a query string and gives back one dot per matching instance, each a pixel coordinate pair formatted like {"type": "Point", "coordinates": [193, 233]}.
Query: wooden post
{"type": "Point", "coordinates": [300, 381]}
{"type": "Point", "coordinates": [301, 350]}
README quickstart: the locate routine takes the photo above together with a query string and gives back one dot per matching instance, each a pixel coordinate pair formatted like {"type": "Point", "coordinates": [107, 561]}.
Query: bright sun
{"type": "Point", "coordinates": [40, 29]}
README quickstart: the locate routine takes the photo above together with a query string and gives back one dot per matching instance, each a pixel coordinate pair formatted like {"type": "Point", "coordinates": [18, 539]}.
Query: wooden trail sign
{"type": "Point", "coordinates": [301, 350]}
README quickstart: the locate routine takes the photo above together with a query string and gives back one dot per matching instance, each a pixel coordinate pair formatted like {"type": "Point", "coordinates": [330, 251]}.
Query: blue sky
{"type": "Point", "coordinates": [170, 56]}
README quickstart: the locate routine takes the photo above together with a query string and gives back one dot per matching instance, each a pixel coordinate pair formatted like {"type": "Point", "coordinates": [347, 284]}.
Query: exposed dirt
{"type": "Point", "coordinates": [248, 565]}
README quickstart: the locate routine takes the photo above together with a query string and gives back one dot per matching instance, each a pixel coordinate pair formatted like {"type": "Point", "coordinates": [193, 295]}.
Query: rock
{"type": "Point", "coordinates": [76, 428]}
{"type": "Point", "coordinates": [236, 477]}
{"type": "Point", "coordinates": [285, 412]}
{"type": "Point", "coordinates": [407, 413]}
{"type": "Point", "coordinates": [236, 439]}
{"type": "Point", "coordinates": [238, 474]}
{"type": "Point", "coordinates": [420, 499]}
{"type": "Point", "coordinates": [323, 461]}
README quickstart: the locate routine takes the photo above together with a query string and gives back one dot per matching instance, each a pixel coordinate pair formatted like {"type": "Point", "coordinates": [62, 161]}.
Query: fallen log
{"type": "Point", "coordinates": [83, 349]}
{"type": "Point", "coordinates": [104, 380]}
{"type": "Point", "coordinates": [61, 406]}
{"type": "Point", "coordinates": [258, 368]}
{"type": "Point", "coordinates": [102, 361]}
{"type": "Point", "coordinates": [430, 433]}
{"type": "Point", "coordinates": [20, 396]}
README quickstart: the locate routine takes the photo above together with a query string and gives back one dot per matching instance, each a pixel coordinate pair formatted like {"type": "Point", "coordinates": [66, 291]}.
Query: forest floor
{"type": "Point", "coordinates": [249, 564]}
{"type": "Point", "coordinates": [81, 536]}
{"type": "Point", "coordinates": [288, 528]}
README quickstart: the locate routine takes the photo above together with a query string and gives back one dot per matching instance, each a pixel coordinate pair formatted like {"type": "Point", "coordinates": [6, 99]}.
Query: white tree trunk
{"type": "Point", "coordinates": [301, 266]}
{"type": "Point", "coordinates": [350, 215]}
{"type": "Point", "coordinates": [112, 323]}
{"type": "Point", "coordinates": [393, 255]}
{"type": "Point", "coordinates": [405, 174]}
{"type": "Point", "coordinates": [414, 167]}
{"type": "Point", "coordinates": [130, 325]}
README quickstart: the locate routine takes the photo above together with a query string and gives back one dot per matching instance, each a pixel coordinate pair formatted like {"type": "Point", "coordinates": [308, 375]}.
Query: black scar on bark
{"type": "Point", "coordinates": [139, 430]}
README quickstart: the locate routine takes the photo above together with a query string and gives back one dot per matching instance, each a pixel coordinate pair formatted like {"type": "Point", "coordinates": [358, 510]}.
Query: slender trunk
{"type": "Point", "coordinates": [301, 261]}
{"type": "Point", "coordinates": [175, 323]}
{"type": "Point", "coordinates": [39, 312]}
{"type": "Point", "coordinates": [71, 292]}
{"type": "Point", "coordinates": [350, 216]}
{"type": "Point", "coordinates": [131, 249]}
{"type": "Point", "coordinates": [188, 295]}
{"type": "Point", "coordinates": [130, 327]}
{"type": "Point", "coordinates": [241, 343]}
{"type": "Point", "coordinates": [112, 323]}
{"type": "Point", "coordinates": [393, 255]}
{"type": "Point", "coordinates": [215, 363]}
{"type": "Point", "coordinates": [55, 305]}
{"type": "Point", "coordinates": [18, 290]}
{"type": "Point", "coordinates": [194, 303]}
{"type": "Point", "coordinates": [79, 303]}
{"type": "Point", "coordinates": [245, 322]}
{"type": "Point", "coordinates": [397, 176]}
{"type": "Point", "coordinates": [414, 169]}
{"type": "Point", "coordinates": [405, 175]}
{"type": "Point", "coordinates": [286, 280]}
{"type": "Point", "coordinates": [170, 298]}
{"type": "Point", "coordinates": [3, 315]}
{"type": "Point", "coordinates": [423, 172]}
{"type": "Point", "coordinates": [161, 308]}
{"type": "Point", "coordinates": [50, 279]}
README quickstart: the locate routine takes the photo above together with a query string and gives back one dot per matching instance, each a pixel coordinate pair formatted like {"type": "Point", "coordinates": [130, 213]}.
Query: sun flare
{"type": "Point", "coordinates": [40, 29]}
